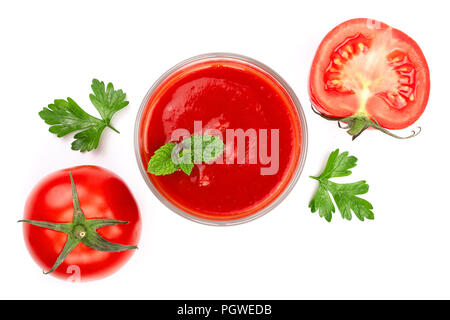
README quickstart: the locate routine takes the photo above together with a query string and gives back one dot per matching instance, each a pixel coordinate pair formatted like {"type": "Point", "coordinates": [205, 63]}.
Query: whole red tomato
{"type": "Point", "coordinates": [85, 242]}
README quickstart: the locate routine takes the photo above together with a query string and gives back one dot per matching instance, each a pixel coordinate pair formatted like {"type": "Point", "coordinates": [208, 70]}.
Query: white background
{"type": "Point", "coordinates": [53, 49]}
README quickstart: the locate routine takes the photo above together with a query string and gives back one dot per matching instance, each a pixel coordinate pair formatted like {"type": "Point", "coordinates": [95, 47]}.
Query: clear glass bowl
{"type": "Point", "coordinates": [293, 178]}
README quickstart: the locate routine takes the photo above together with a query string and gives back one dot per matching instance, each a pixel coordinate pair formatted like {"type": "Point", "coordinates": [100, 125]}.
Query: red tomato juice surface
{"type": "Point", "coordinates": [223, 93]}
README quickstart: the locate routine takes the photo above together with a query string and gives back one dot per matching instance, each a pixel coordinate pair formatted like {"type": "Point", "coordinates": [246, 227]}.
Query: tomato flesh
{"type": "Point", "coordinates": [366, 67]}
{"type": "Point", "coordinates": [102, 194]}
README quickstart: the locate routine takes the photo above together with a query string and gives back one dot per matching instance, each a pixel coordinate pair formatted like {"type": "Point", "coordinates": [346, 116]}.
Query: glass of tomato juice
{"type": "Point", "coordinates": [259, 119]}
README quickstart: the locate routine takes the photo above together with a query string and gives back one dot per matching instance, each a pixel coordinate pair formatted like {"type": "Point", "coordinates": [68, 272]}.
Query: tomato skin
{"type": "Point", "coordinates": [337, 105]}
{"type": "Point", "coordinates": [102, 194]}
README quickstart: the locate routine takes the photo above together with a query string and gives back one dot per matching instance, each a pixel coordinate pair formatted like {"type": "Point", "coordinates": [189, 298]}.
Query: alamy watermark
{"type": "Point", "coordinates": [250, 146]}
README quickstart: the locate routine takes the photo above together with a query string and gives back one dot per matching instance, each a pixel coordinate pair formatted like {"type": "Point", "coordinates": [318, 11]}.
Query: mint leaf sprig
{"type": "Point", "coordinates": [195, 149]}
{"type": "Point", "coordinates": [345, 195]}
{"type": "Point", "coordinates": [66, 116]}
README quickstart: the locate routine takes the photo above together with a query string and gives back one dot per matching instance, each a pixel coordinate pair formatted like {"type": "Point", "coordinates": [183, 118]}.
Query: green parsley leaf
{"type": "Point", "coordinates": [344, 195]}
{"type": "Point", "coordinates": [108, 101]}
{"type": "Point", "coordinates": [66, 116]}
{"type": "Point", "coordinates": [195, 149]}
{"type": "Point", "coordinates": [338, 165]}
{"type": "Point", "coordinates": [322, 202]}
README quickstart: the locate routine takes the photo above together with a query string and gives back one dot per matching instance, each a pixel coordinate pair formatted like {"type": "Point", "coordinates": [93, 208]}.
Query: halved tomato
{"type": "Point", "coordinates": [368, 74]}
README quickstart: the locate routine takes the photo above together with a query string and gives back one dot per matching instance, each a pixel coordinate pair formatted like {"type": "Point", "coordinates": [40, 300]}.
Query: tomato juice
{"type": "Point", "coordinates": [227, 94]}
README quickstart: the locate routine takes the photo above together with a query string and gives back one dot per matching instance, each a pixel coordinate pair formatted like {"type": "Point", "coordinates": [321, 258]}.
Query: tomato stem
{"type": "Point", "coordinates": [358, 123]}
{"type": "Point", "coordinates": [357, 126]}
{"type": "Point", "coordinates": [79, 232]}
